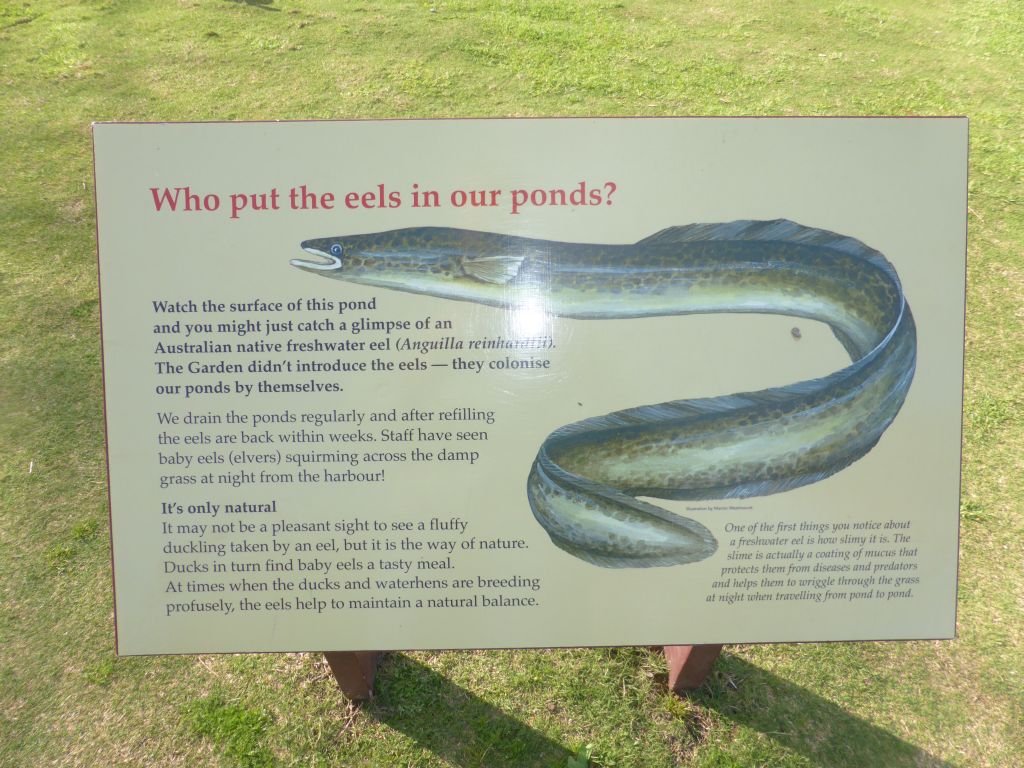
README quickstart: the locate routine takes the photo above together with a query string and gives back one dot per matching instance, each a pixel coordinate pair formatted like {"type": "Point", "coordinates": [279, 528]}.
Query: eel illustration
{"type": "Point", "coordinates": [584, 485]}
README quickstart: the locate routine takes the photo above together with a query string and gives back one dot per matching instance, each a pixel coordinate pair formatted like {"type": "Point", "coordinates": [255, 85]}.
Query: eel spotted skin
{"type": "Point", "coordinates": [584, 486]}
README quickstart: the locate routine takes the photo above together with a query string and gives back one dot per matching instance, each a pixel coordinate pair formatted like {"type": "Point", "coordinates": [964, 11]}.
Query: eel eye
{"type": "Point", "coordinates": [336, 249]}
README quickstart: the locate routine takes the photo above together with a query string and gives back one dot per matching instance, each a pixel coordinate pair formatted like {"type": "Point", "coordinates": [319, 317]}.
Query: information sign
{"type": "Point", "coordinates": [526, 383]}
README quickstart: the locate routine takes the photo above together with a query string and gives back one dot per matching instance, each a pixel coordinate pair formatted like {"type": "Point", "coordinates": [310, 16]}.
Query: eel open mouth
{"type": "Point", "coordinates": [334, 262]}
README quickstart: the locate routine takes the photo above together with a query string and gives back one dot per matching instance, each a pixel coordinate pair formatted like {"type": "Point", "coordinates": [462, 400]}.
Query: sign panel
{"type": "Point", "coordinates": [522, 383]}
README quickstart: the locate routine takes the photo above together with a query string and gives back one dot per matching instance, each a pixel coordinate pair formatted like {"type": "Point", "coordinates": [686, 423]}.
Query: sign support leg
{"type": "Point", "coordinates": [688, 668]}
{"type": "Point", "coordinates": [689, 665]}
{"type": "Point", "coordinates": [354, 671]}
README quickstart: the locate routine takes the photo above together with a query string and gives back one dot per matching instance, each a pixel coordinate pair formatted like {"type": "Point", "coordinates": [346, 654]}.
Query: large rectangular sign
{"type": "Point", "coordinates": [515, 383]}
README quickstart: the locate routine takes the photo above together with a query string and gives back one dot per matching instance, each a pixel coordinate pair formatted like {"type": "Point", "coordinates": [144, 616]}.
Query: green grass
{"type": "Point", "coordinates": [66, 700]}
{"type": "Point", "coordinates": [238, 731]}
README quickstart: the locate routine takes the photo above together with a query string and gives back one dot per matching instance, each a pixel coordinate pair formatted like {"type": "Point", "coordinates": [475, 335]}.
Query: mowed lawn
{"type": "Point", "coordinates": [64, 697]}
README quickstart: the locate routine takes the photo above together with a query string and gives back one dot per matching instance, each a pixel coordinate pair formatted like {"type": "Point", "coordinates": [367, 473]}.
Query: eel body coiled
{"type": "Point", "coordinates": [586, 483]}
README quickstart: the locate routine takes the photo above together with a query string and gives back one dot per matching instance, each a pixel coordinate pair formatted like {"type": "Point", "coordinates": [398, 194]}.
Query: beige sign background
{"type": "Point", "coordinates": [301, 463]}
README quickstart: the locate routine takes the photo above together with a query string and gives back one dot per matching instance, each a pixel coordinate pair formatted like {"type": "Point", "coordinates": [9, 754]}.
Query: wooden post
{"type": "Point", "coordinates": [689, 665]}
{"type": "Point", "coordinates": [688, 668]}
{"type": "Point", "coordinates": [354, 671]}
